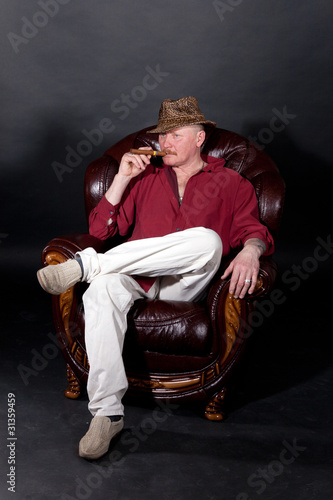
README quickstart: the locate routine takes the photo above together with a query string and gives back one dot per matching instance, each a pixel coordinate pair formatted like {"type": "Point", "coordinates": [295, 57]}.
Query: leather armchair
{"type": "Point", "coordinates": [176, 351]}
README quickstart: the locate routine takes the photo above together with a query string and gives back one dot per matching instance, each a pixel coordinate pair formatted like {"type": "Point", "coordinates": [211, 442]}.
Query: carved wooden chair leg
{"type": "Point", "coordinates": [213, 409]}
{"type": "Point", "coordinates": [74, 387]}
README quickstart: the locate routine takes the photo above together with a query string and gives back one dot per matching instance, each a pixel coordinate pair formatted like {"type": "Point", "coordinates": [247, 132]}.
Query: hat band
{"type": "Point", "coordinates": [187, 118]}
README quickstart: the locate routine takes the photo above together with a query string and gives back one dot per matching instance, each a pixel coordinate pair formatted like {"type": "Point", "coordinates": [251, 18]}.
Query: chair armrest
{"type": "Point", "coordinates": [266, 278]}
{"type": "Point", "coordinates": [229, 316]}
{"type": "Point", "coordinates": [232, 326]}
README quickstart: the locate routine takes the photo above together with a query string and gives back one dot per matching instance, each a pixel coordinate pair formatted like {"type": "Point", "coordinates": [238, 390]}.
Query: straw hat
{"type": "Point", "coordinates": [180, 113]}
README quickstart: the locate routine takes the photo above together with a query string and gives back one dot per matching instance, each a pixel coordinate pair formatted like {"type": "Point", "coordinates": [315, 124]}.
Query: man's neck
{"type": "Point", "coordinates": [190, 168]}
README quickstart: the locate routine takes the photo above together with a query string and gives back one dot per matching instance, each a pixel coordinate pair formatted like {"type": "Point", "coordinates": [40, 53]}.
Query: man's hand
{"type": "Point", "coordinates": [244, 268]}
{"type": "Point", "coordinates": [130, 166]}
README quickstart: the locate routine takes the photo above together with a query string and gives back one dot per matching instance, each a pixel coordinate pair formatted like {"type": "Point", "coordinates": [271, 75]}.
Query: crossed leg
{"type": "Point", "coordinates": [184, 264]}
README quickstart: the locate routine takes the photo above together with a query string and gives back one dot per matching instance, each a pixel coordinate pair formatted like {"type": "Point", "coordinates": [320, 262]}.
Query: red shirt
{"type": "Point", "coordinates": [217, 198]}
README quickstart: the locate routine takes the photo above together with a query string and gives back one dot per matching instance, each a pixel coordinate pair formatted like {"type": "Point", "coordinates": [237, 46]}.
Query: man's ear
{"type": "Point", "coordinates": [201, 137]}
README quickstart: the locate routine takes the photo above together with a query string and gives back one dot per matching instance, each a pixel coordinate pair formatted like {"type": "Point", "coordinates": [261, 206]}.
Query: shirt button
{"type": "Point", "coordinates": [177, 229]}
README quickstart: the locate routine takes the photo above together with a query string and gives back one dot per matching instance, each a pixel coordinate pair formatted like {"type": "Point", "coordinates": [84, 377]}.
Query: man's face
{"type": "Point", "coordinates": [185, 141]}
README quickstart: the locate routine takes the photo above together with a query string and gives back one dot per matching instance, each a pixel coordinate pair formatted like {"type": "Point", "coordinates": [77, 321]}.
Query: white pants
{"type": "Point", "coordinates": [183, 263]}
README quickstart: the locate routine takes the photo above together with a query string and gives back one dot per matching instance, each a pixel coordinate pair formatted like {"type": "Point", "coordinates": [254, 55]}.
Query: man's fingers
{"type": "Point", "coordinates": [240, 286]}
{"type": "Point", "coordinates": [145, 158]}
{"type": "Point", "coordinates": [138, 161]}
{"type": "Point", "coordinates": [227, 272]}
{"type": "Point", "coordinates": [244, 272]}
{"type": "Point", "coordinates": [253, 283]}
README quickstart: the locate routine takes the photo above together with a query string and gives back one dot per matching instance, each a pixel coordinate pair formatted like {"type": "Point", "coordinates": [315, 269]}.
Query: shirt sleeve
{"type": "Point", "coordinates": [103, 220]}
{"type": "Point", "coordinates": [246, 223]}
{"type": "Point", "coordinates": [107, 220]}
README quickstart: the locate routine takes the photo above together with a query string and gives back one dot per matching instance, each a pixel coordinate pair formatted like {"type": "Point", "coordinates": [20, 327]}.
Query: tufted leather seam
{"type": "Point", "coordinates": [258, 188]}
{"type": "Point", "coordinates": [106, 175]}
{"type": "Point", "coordinates": [239, 150]}
{"type": "Point", "coordinates": [245, 157]}
{"type": "Point", "coordinates": [172, 321]}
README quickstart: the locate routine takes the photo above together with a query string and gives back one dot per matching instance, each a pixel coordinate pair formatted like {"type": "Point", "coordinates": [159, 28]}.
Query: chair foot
{"type": "Point", "coordinates": [74, 387]}
{"type": "Point", "coordinates": [213, 409]}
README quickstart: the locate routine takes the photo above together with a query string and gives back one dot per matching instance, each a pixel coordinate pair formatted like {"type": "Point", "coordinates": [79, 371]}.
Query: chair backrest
{"type": "Point", "coordinates": [240, 154]}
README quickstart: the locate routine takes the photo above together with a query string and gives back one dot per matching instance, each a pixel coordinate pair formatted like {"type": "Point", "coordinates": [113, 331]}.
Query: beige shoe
{"type": "Point", "coordinates": [57, 279]}
{"type": "Point", "coordinates": [97, 440]}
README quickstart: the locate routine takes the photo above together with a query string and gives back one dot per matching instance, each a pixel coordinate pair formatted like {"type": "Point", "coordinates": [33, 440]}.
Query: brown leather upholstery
{"type": "Point", "coordinates": [184, 351]}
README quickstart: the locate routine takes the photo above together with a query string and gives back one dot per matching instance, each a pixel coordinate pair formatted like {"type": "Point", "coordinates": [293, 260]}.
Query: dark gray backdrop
{"type": "Point", "coordinates": [79, 75]}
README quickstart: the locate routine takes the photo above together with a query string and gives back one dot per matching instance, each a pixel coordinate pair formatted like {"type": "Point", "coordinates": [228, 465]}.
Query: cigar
{"type": "Point", "coordinates": [151, 152]}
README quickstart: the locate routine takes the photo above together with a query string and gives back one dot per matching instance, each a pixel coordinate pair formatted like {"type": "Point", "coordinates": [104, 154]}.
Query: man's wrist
{"type": "Point", "coordinates": [258, 244]}
{"type": "Point", "coordinates": [117, 188]}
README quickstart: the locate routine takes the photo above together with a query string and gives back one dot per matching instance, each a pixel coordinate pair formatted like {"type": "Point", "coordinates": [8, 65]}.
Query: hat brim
{"type": "Point", "coordinates": [166, 127]}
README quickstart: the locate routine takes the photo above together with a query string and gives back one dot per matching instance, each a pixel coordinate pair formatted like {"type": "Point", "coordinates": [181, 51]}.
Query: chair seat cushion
{"type": "Point", "coordinates": [169, 327]}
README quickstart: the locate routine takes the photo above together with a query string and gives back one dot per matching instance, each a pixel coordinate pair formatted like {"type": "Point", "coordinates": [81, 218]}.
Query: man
{"type": "Point", "coordinates": [182, 219]}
